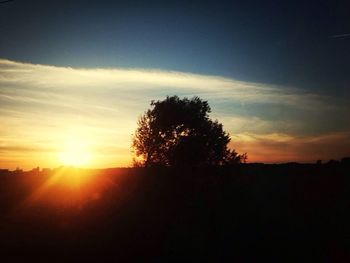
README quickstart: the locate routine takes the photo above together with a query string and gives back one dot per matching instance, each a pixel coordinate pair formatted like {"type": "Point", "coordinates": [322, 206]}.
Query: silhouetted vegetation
{"type": "Point", "coordinates": [250, 212]}
{"type": "Point", "coordinates": [179, 132]}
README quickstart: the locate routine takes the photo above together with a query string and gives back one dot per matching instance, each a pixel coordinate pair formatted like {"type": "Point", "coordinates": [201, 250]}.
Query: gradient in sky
{"type": "Point", "coordinates": [82, 72]}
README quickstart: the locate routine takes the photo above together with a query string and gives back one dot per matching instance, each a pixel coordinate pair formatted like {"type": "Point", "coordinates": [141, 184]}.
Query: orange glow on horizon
{"type": "Point", "coordinates": [53, 116]}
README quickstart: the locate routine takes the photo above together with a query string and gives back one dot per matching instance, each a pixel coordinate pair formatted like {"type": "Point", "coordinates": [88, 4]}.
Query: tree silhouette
{"type": "Point", "coordinates": [179, 132]}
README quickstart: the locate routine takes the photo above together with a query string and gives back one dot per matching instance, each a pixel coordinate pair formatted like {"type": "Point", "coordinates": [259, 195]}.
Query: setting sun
{"type": "Point", "coordinates": [76, 153]}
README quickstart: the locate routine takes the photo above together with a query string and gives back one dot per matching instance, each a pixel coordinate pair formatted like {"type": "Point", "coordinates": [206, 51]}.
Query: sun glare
{"type": "Point", "coordinates": [75, 153]}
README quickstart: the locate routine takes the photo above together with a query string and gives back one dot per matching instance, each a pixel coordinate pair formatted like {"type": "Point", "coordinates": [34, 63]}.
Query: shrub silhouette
{"type": "Point", "coordinates": [179, 132]}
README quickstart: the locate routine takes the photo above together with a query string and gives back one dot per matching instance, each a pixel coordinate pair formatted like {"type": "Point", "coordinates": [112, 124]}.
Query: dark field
{"type": "Point", "coordinates": [250, 212]}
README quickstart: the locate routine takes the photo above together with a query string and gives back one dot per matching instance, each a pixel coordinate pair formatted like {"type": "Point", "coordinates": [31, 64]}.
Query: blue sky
{"type": "Point", "coordinates": [290, 43]}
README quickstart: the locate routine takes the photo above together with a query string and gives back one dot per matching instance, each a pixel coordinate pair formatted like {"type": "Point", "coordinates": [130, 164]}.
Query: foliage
{"type": "Point", "coordinates": [179, 132]}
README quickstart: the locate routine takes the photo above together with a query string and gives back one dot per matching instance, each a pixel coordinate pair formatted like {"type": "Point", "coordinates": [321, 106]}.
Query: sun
{"type": "Point", "coordinates": [75, 153]}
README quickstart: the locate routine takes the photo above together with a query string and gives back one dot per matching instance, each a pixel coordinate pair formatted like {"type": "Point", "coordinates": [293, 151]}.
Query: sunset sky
{"type": "Point", "coordinates": [76, 75]}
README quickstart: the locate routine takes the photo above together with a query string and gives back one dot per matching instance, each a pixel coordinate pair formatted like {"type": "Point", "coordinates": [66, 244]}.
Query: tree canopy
{"type": "Point", "coordinates": [179, 132]}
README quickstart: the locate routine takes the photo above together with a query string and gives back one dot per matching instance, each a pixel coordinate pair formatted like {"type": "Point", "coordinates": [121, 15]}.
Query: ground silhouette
{"type": "Point", "coordinates": [245, 212]}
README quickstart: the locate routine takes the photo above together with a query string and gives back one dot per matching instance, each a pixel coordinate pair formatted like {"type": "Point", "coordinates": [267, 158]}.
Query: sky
{"type": "Point", "coordinates": [80, 73]}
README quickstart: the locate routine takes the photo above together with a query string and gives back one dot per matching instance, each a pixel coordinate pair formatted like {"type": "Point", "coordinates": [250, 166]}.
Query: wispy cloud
{"type": "Point", "coordinates": [341, 36]}
{"type": "Point", "coordinates": [44, 105]}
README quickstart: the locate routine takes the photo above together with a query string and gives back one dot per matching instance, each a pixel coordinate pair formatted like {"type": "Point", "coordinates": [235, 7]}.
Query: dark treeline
{"type": "Point", "coordinates": [245, 212]}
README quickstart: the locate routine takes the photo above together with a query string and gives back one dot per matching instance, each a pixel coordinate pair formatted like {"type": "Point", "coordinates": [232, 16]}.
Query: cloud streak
{"type": "Point", "coordinates": [341, 36]}
{"type": "Point", "coordinates": [43, 106]}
